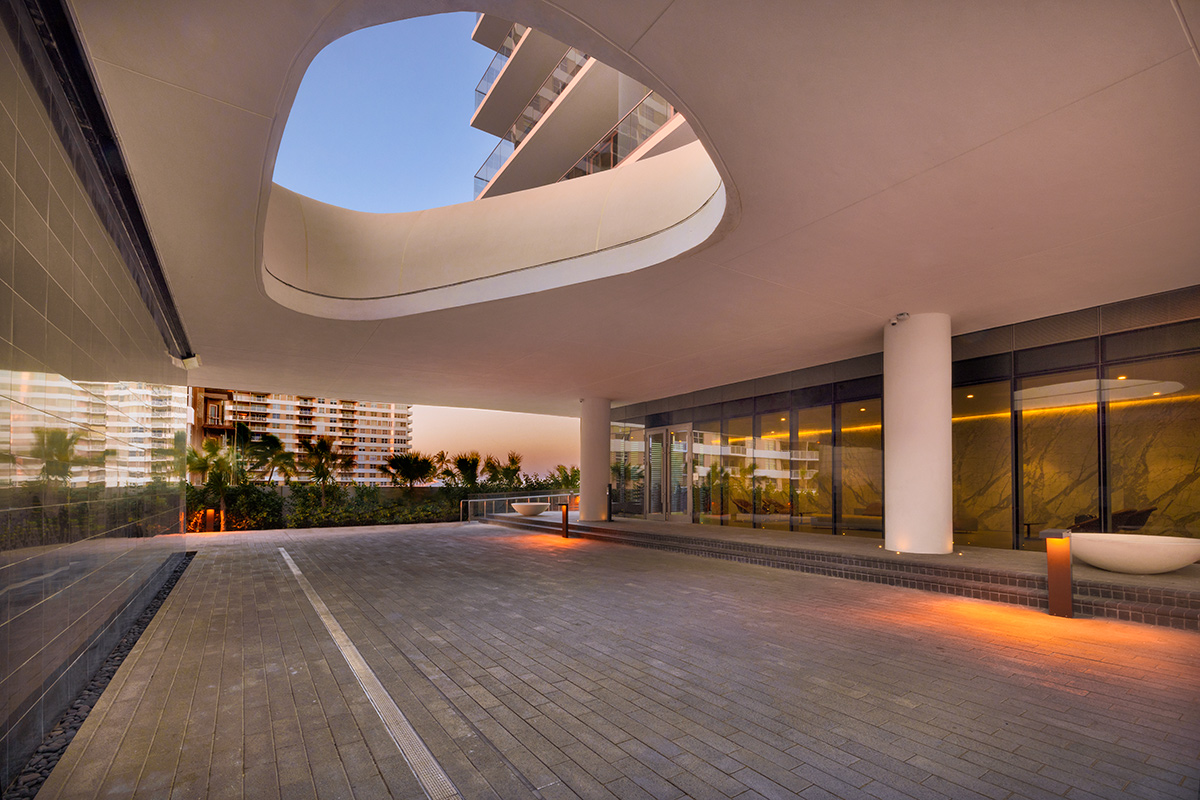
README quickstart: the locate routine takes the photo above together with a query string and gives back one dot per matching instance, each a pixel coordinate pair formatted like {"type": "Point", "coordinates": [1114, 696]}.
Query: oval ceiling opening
{"type": "Point", "coordinates": [588, 173]}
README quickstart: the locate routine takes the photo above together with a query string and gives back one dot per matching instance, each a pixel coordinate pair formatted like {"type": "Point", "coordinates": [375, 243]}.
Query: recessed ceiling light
{"type": "Point", "coordinates": [1122, 377]}
{"type": "Point", "coordinates": [862, 409]}
{"type": "Point", "coordinates": [970, 396]}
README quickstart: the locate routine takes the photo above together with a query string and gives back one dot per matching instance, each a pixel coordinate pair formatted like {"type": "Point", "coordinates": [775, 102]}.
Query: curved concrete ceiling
{"type": "Point", "coordinates": [994, 161]}
{"type": "Point", "coordinates": [333, 262]}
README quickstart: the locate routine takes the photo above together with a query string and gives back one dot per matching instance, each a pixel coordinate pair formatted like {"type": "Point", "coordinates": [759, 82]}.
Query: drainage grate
{"type": "Point", "coordinates": [433, 779]}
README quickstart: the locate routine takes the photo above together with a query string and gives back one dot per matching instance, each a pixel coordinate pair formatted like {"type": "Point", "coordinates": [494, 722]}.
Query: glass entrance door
{"type": "Point", "coordinates": [669, 474]}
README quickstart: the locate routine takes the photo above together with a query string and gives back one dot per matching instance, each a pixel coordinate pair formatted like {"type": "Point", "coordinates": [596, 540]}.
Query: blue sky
{"type": "Point", "coordinates": [380, 123]}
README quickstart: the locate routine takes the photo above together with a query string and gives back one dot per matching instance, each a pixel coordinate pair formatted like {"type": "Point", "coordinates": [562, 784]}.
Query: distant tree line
{"type": "Point", "coordinates": [236, 479]}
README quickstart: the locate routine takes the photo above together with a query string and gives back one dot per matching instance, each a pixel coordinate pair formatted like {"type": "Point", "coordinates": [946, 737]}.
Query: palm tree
{"type": "Point", "coordinates": [565, 479]}
{"type": "Point", "coordinates": [268, 454]}
{"type": "Point", "coordinates": [217, 472]}
{"type": "Point", "coordinates": [323, 462]}
{"type": "Point", "coordinates": [409, 468]}
{"type": "Point", "coordinates": [507, 474]}
{"type": "Point", "coordinates": [463, 470]}
{"type": "Point", "coordinates": [203, 461]}
{"type": "Point", "coordinates": [239, 448]}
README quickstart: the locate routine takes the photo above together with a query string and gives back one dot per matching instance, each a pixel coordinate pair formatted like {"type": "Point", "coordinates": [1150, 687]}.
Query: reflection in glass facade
{"type": "Point", "coordinates": [92, 431]}
{"type": "Point", "coordinates": [628, 466]}
{"type": "Point", "coordinates": [773, 471]}
{"type": "Point", "coordinates": [1096, 434]}
{"type": "Point", "coordinates": [1153, 426]}
{"type": "Point", "coordinates": [982, 433]}
{"type": "Point", "coordinates": [88, 459]}
{"type": "Point", "coordinates": [655, 477]}
{"type": "Point", "coordinates": [1057, 418]}
{"type": "Point", "coordinates": [860, 447]}
{"type": "Point", "coordinates": [677, 471]}
{"type": "Point", "coordinates": [708, 486]}
{"type": "Point", "coordinates": [812, 470]}
{"type": "Point", "coordinates": [737, 471]}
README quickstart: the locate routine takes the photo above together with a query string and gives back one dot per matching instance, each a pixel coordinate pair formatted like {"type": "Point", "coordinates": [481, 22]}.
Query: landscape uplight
{"type": "Point", "coordinates": [1061, 594]}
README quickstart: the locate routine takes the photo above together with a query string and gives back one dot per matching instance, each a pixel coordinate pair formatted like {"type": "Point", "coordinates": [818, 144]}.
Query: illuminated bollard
{"type": "Point", "coordinates": [565, 506]}
{"type": "Point", "coordinates": [1058, 572]}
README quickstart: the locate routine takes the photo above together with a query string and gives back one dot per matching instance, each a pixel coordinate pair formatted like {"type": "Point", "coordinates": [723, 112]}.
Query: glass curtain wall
{"type": "Point", "coordinates": [1058, 418]}
{"type": "Point", "coordinates": [677, 477]}
{"type": "Point", "coordinates": [773, 470]}
{"type": "Point", "coordinates": [93, 426]}
{"type": "Point", "coordinates": [1153, 427]}
{"type": "Point", "coordinates": [737, 462]}
{"type": "Point", "coordinates": [655, 447]}
{"type": "Point", "coordinates": [628, 468]}
{"type": "Point", "coordinates": [708, 488]}
{"type": "Point", "coordinates": [982, 434]}
{"type": "Point", "coordinates": [812, 470]}
{"type": "Point", "coordinates": [860, 446]}
{"type": "Point", "coordinates": [1111, 446]}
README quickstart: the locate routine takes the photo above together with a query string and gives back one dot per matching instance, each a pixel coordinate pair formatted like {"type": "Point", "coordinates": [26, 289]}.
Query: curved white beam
{"type": "Point", "coordinates": [341, 264]}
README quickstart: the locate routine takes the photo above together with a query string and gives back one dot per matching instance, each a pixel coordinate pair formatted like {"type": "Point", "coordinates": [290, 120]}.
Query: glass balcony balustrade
{"type": "Point", "coordinates": [560, 77]}
{"type": "Point", "coordinates": [498, 61]}
{"type": "Point", "coordinates": [634, 128]}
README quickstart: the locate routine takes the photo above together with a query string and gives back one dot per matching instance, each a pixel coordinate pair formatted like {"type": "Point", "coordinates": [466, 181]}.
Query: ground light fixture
{"type": "Point", "coordinates": [1058, 572]}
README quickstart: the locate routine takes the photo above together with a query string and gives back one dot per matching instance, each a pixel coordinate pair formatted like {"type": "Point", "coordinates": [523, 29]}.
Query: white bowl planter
{"type": "Point", "coordinates": [530, 509]}
{"type": "Point", "coordinates": [1135, 553]}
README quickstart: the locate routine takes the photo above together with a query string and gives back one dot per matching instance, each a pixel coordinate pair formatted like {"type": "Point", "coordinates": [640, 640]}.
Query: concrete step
{"type": "Point", "coordinates": [1163, 606]}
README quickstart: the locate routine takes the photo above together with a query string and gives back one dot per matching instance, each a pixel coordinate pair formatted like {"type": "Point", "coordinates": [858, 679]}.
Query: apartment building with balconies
{"type": "Point", "coordinates": [372, 431]}
{"type": "Point", "coordinates": [560, 113]}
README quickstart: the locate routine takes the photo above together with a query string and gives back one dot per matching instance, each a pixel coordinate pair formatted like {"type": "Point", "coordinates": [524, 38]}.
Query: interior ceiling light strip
{"type": "Point", "coordinates": [429, 773]}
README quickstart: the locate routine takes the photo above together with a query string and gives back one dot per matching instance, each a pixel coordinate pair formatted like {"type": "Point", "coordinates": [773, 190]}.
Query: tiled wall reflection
{"type": "Point", "coordinates": [92, 430]}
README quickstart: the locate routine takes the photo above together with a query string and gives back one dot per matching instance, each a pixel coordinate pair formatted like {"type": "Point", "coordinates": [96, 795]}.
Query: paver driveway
{"type": "Point", "coordinates": [533, 666]}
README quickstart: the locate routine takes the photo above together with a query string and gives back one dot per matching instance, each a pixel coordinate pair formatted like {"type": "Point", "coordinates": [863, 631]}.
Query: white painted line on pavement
{"type": "Point", "coordinates": [429, 773]}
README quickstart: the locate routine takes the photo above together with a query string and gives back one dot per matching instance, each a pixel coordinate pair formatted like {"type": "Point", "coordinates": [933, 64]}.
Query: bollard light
{"type": "Point", "coordinates": [564, 507]}
{"type": "Point", "coordinates": [1058, 572]}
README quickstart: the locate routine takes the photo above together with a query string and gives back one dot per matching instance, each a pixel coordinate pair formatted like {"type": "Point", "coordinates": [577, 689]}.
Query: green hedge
{"type": "Point", "coordinates": [255, 507]}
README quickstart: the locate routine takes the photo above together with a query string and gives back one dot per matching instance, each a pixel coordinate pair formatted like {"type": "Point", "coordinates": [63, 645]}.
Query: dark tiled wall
{"type": "Point", "coordinates": [91, 423]}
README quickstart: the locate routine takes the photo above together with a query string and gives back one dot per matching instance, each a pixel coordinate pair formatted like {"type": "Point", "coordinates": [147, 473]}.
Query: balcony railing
{"type": "Point", "coordinates": [560, 77]}
{"type": "Point", "coordinates": [634, 128]}
{"type": "Point", "coordinates": [481, 507]}
{"type": "Point", "coordinates": [498, 61]}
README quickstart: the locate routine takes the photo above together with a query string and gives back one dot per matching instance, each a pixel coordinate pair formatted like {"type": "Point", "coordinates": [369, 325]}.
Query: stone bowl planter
{"type": "Point", "coordinates": [1134, 553]}
{"type": "Point", "coordinates": [530, 509]}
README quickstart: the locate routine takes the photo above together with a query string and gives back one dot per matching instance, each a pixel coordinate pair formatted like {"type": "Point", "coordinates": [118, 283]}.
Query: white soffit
{"type": "Point", "coordinates": [994, 161]}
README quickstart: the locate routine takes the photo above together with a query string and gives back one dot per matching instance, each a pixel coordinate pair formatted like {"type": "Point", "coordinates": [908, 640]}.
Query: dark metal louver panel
{"type": "Point", "coordinates": [983, 343]}
{"type": "Point", "coordinates": [1059, 328]}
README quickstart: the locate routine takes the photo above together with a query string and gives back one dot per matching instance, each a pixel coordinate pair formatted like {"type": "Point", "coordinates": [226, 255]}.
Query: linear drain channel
{"type": "Point", "coordinates": [433, 779]}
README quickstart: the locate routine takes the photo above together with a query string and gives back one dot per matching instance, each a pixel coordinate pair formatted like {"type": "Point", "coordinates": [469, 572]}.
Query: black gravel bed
{"type": "Point", "coordinates": [37, 769]}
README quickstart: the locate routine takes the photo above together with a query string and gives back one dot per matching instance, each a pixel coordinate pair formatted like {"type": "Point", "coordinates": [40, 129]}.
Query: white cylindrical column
{"type": "Point", "coordinates": [918, 480]}
{"type": "Point", "coordinates": [594, 458]}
